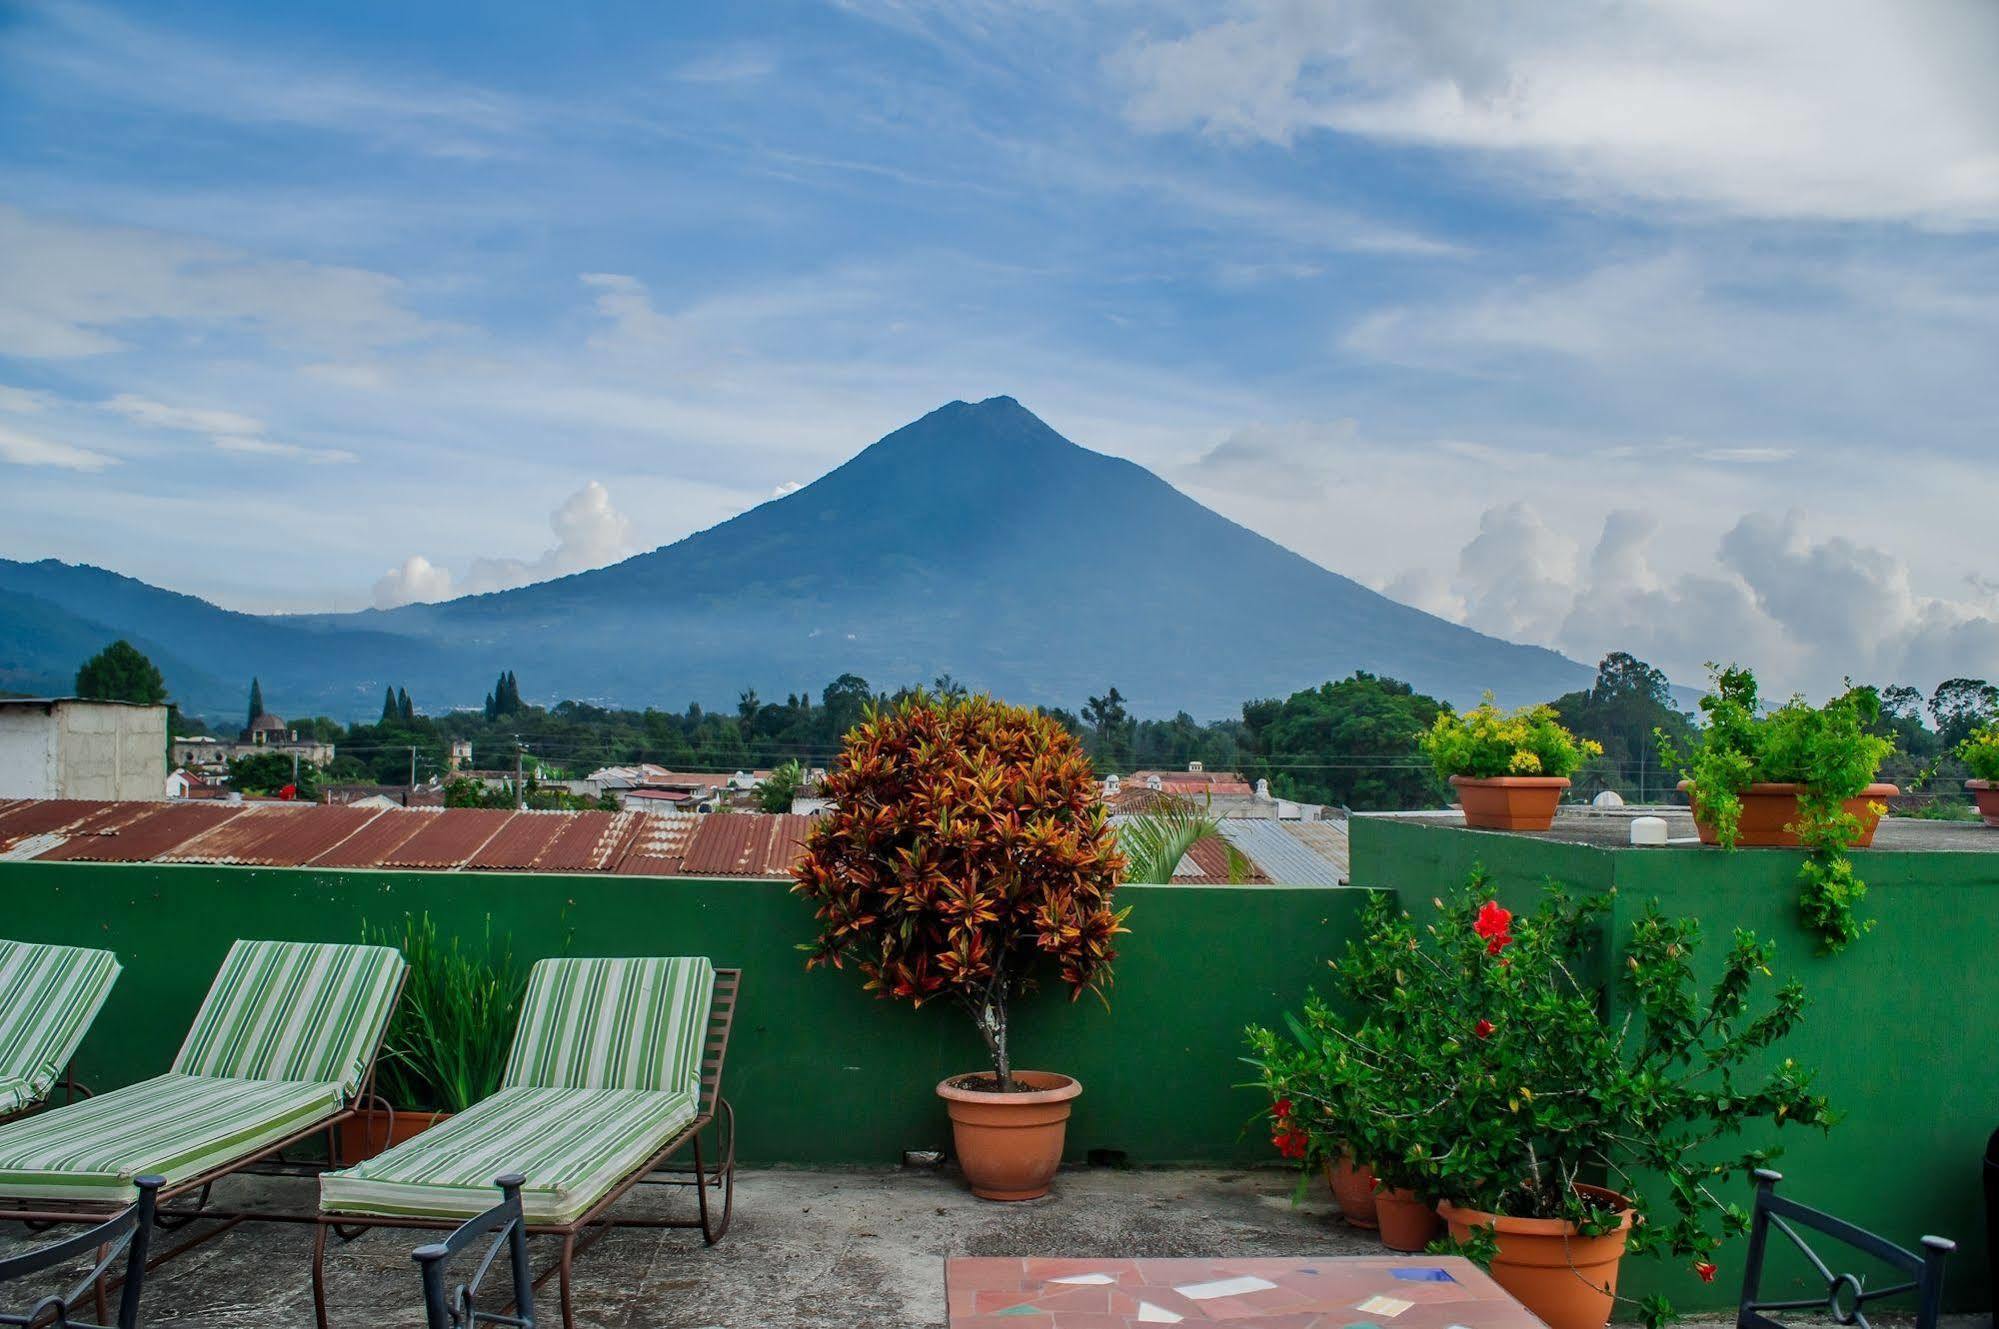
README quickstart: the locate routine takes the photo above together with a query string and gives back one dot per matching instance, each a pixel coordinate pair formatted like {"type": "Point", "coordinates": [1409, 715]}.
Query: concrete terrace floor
{"type": "Point", "coordinates": [826, 1249]}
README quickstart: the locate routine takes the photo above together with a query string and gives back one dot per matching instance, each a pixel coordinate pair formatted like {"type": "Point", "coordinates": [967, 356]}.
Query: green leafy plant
{"type": "Point", "coordinates": [966, 848]}
{"type": "Point", "coordinates": [1832, 752]}
{"type": "Point", "coordinates": [1470, 1060]}
{"type": "Point", "coordinates": [1980, 752]}
{"type": "Point", "coordinates": [1486, 742]}
{"type": "Point", "coordinates": [780, 787]}
{"type": "Point", "coordinates": [1154, 839]}
{"type": "Point", "coordinates": [448, 1040]}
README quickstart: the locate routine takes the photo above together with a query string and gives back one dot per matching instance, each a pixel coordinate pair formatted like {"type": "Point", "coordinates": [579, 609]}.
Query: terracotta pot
{"type": "Point", "coordinates": [1986, 794]}
{"type": "Point", "coordinates": [1408, 1221]}
{"type": "Point", "coordinates": [1768, 809]}
{"type": "Point", "coordinates": [1568, 1280]}
{"type": "Point", "coordinates": [1353, 1189]}
{"type": "Point", "coordinates": [1510, 802]}
{"type": "Point", "coordinates": [1009, 1145]}
{"type": "Point", "coordinates": [369, 1132]}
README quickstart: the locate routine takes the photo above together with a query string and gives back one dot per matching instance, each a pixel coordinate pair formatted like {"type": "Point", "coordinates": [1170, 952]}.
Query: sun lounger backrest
{"type": "Point", "coordinates": [613, 1024]}
{"type": "Point", "coordinates": [294, 1010]}
{"type": "Point", "coordinates": [48, 997]}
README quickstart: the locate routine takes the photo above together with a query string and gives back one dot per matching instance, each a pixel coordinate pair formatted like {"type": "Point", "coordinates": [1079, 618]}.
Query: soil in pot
{"type": "Point", "coordinates": [1986, 794]}
{"type": "Point", "coordinates": [1510, 802]}
{"type": "Point", "coordinates": [1568, 1280]}
{"type": "Point", "coordinates": [1770, 809]}
{"type": "Point", "coordinates": [1009, 1145]}
{"type": "Point", "coordinates": [369, 1132]}
{"type": "Point", "coordinates": [1353, 1190]}
{"type": "Point", "coordinates": [1408, 1222]}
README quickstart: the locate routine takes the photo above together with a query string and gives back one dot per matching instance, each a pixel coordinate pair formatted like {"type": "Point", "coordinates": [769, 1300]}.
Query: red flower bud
{"type": "Point", "coordinates": [1705, 1270]}
{"type": "Point", "coordinates": [1483, 1029]}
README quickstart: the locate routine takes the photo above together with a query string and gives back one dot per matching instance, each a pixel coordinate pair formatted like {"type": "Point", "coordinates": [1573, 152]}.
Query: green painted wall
{"type": "Point", "coordinates": [819, 1071]}
{"type": "Point", "coordinates": [1903, 1026]}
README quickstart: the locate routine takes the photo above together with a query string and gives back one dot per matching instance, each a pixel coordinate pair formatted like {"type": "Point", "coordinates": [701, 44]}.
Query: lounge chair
{"type": "Point", "coordinates": [49, 995]}
{"type": "Point", "coordinates": [616, 1066]}
{"type": "Point", "coordinates": [128, 1234]}
{"type": "Point", "coordinates": [282, 1048]}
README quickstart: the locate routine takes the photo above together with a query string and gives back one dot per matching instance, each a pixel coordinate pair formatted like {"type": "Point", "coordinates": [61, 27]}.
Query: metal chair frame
{"type": "Point", "coordinates": [459, 1309]}
{"type": "Point", "coordinates": [1846, 1297]}
{"type": "Point", "coordinates": [129, 1233]}
{"type": "Point", "coordinates": [579, 1234]}
{"type": "Point", "coordinates": [72, 1088]}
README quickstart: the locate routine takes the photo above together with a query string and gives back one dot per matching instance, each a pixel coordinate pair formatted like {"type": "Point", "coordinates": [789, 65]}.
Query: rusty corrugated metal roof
{"type": "Point", "coordinates": [519, 842]}
{"type": "Point", "coordinates": [659, 846]}
{"type": "Point", "coordinates": [143, 838]}
{"type": "Point", "coordinates": [274, 835]}
{"type": "Point", "coordinates": [449, 838]}
{"type": "Point", "coordinates": [591, 842]}
{"type": "Point", "coordinates": [741, 845]}
{"type": "Point", "coordinates": [376, 841]}
{"type": "Point", "coordinates": [45, 815]}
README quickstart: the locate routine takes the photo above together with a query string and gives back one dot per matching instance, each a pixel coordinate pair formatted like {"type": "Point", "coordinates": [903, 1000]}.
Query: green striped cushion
{"type": "Point", "coordinates": [48, 997]}
{"type": "Point", "coordinates": [15, 1094]}
{"type": "Point", "coordinates": [572, 1145]}
{"type": "Point", "coordinates": [293, 1010]}
{"type": "Point", "coordinates": [175, 1125]}
{"type": "Point", "coordinates": [613, 1024]}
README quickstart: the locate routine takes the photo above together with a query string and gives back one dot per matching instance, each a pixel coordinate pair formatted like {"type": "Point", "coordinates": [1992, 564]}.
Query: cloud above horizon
{"type": "Point", "coordinates": [1381, 281]}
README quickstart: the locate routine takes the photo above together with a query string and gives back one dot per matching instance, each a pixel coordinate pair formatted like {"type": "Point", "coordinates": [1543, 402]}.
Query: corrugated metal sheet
{"type": "Point", "coordinates": [591, 842]}
{"type": "Point", "coordinates": [520, 842]}
{"type": "Point", "coordinates": [274, 835]}
{"type": "Point", "coordinates": [163, 828]}
{"type": "Point", "coordinates": [737, 845]}
{"type": "Point", "coordinates": [43, 816]}
{"type": "Point", "coordinates": [1284, 857]}
{"type": "Point", "coordinates": [659, 846]}
{"type": "Point", "coordinates": [380, 838]}
{"type": "Point", "coordinates": [1207, 864]}
{"type": "Point", "coordinates": [449, 838]}
{"type": "Point", "coordinates": [1329, 840]}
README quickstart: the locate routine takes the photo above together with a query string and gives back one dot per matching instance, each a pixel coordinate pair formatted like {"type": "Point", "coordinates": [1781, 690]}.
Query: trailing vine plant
{"type": "Point", "coordinates": [1828, 751]}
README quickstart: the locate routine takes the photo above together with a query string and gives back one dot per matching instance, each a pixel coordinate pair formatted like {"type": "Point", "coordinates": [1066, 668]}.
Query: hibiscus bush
{"type": "Point", "coordinates": [1486, 742]}
{"type": "Point", "coordinates": [1472, 1059]}
{"type": "Point", "coordinates": [967, 849]}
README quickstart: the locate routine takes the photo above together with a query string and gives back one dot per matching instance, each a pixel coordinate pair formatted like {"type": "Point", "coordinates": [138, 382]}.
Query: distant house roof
{"type": "Point", "coordinates": [267, 724]}
{"type": "Point", "coordinates": [1293, 853]}
{"type": "Point", "coordinates": [645, 775]}
{"type": "Point", "coordinates": [1217, 783]}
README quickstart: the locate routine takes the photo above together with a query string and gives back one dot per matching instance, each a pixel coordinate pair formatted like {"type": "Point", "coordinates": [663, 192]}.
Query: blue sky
{"type": "Point", "coordinates": [1661, 326]}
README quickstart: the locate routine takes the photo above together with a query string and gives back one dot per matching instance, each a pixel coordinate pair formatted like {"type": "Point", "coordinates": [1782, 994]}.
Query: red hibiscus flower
{"type": "Point", "coordinates": [1705, 1270]}
{"type": "Point", "coordinates": [1281, 1108]}
{"type": "Point", "coordinates": [1291, 1142]}
{"type": "Point", "coordinates": [1483, 1029]}
{"type": "Point", "coordinates": [1493, 924]}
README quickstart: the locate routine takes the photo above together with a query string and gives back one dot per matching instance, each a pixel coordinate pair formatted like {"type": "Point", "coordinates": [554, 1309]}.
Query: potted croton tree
{"type": "Point", "coordinates": [1796, 776]}
{"type": "Point", "coordinates": [966, 854]}
{"type": "Point", "coordinates": [447, 1042]}
{"type": "Point", "coordinates": [1980, 752]}
{"type": "Point", "coordinates": [1555, 1132]}
{"type": "Point", "coordinates": [1509, 768]}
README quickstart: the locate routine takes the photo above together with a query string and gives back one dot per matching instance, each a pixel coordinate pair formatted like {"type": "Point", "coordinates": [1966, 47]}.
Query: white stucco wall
{"type": "Point", "coordinates": [83, 749]}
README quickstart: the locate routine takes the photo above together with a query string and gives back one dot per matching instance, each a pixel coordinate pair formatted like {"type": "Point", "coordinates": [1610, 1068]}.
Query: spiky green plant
{"type": "Point", "coordinates": [448, 1040]}
{"type": "Point", "coordinates": [1155, 840]}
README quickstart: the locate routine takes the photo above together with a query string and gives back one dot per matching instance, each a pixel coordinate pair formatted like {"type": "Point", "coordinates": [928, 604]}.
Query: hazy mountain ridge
{"type": "Point", "coordinates": [975, 540]}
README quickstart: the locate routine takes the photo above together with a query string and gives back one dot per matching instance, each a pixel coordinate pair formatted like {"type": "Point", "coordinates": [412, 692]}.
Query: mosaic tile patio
{"type": "Point", "coordinates": [1365, 1292]}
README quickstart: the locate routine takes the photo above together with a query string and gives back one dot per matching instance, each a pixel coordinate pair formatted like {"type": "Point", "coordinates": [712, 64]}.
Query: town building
{"type": "Point", "coordinates": [267, 733]}
{"type": "Point", "coordinates": [70, 747]}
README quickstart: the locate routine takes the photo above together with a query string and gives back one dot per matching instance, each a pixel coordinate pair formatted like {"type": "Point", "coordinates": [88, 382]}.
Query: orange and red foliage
{"type": "Point", "coordinates": [967, 841]}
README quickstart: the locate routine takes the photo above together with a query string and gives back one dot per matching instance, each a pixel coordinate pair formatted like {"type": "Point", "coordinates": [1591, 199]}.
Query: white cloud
{"type": "Point", "coordinates": [19, 449]}
{"type": "Point", "coordinates": [788, 487]}
{"type": "Point", "coordinates": [76, 290]}
{"type": "Point", "coordinates": [417, 581]}
{"type": "Point", "coordinates": [1806, 612]}
{"type": "Point", "coordinates": [193, 419]}
{"type": "Point", "coordinates": [1849, 110]}
{"type": "Point", "coordinates": [264, 447]}
{"type": "Point", "coordinates": [23, 401]}
{"type": "Point", "coordinates": [589, 533]}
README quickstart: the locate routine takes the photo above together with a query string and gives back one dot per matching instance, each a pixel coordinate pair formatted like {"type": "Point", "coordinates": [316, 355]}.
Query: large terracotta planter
{"type": "Point", "coordinates": [1569, 1280]}
{"type": "Point", "coordinates": [1770, 809]}
{"type": "Point", "coordinates": [1009, 1145]}
{"type": "Point", "coordinates": [1510, 802]}
{"type": "Point", "coordinates": [1986, 794]}
{"type": "Point", "coordinates": [1408, 1221]}
{"type": "Point", "coordinates": [370, 1132]}
{"type": "Point", "coordinates": [1353, 1189]}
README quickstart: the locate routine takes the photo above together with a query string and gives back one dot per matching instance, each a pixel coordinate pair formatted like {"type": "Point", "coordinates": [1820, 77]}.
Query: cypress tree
{"type": "Point", "coordinates": [256, 702]}
{"type": "Point", "coordinates": [388, 706]}
{"type": "Point", "coordinates": [404, 711]}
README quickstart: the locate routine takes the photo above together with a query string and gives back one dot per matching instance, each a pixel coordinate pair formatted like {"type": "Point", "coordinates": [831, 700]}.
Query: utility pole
{"type": "Point", "coordinates": [412, 765]}
{"type": "Point", "coordinates": [520, 790]}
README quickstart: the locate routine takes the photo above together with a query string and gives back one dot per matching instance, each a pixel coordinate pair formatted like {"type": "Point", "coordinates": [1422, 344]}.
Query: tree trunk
{"type": "Point", "coordinates": [990, 1017]}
